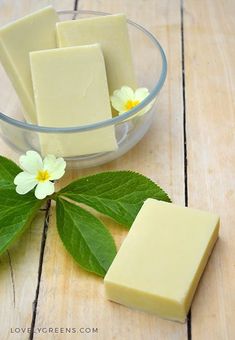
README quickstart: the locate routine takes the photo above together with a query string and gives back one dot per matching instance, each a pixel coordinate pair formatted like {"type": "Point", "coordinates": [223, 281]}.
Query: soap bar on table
{"type": "Point", "coordinates": [71, 89]}
{"type": "Point", "coordinates": [160, 262]}
{"type": "Point", "coordinates": [36, 31]}
{"type": "Point", "coordinates": [112, 34]}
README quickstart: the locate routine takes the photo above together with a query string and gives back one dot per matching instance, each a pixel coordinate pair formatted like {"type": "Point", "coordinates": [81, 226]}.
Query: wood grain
{"type": "Point", "coordinates": [209, 28]}
{"type": "Point", "coordinates": [19, 266]}
{"type": "Point", "coordinates": [18, 277]}
{"type": "Point", "coordinates": [70, 297]}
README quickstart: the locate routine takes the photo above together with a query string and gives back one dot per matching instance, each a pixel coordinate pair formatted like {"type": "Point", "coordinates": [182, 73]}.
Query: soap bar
{"type": "Point", "coordinates": [159, 264]}
{"type": "Point", "coordinates": [36, 31]}
{"type": "Point", "coordinates": [112, 34]}
{"type": "Point", "coordinates": [71, 89]}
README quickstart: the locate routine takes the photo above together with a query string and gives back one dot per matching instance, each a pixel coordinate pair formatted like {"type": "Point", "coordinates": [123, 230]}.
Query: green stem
{"type": "Point", "coordinates": [53, 196]}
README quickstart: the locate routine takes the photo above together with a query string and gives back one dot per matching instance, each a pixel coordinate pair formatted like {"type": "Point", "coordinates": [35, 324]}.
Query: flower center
{"type": "Point", "coordinates": [42, 176]}
{"type": "Point", "coordinates": [131, 103]}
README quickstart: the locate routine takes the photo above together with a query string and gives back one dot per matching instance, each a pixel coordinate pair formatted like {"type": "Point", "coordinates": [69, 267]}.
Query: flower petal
{"type": "Point", "coordinates": [126, 93]}
{"type": "Point", "coordinates": [24, 182]}
{"type": "Point", "coordinates": [141, 93]}
{"type": "Point", "coordinates": [31, 162]}
{"type": "Point", "coordinates": [49, 163]}
{"type": "Point", "coordinates": [117, 103]}
{"type": "Point", "coordinates": [54, 166]}
{"type": "Point", "coordinates": [120, 97]}
{"type": "Point", "coordinates": [44, 189]}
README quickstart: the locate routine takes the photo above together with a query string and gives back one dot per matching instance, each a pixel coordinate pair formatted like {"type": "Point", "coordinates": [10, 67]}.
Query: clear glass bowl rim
{"type": "Point", "coordinates": [112, 121]}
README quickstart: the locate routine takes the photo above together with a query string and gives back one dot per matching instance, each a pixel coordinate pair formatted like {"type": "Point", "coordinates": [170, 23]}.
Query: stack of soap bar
{"type": "Point", "coordinates": [159, 264]}
{"type": "Point", "coordinates": [112, 34]}
{"type": "Point", "coordinates": [71, 89]}
{"type": "Point", "coordinates": [36, 31]}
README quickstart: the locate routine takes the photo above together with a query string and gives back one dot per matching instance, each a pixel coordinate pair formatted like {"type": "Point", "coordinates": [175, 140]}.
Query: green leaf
{"type": "Point", "coordinates": [119, 194]}
{"type": "Point", "coordinates": [85, 237]}
{"type": "Point", "coordinates": [16, 211]}
{"type": "Point", "coordinates": [8, 171]}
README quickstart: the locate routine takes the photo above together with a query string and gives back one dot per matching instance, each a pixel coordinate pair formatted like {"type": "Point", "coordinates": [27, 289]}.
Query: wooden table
{"type": "Point", "coordinates": [189, 150]}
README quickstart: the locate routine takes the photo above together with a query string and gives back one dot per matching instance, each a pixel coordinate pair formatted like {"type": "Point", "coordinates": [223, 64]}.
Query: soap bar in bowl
{"type": "Point", "coordinates": [36, 31]}
{"type": "Point", "coordinates": [112, 34]}
{"type": "Point", "coordinates": [71, 90]}
{"type": "Point", "coordinates": [159, 264]}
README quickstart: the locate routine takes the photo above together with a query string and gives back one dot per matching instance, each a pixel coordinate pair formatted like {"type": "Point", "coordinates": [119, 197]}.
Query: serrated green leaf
{"type": "Point", "coordinates": [16, 211]}
{"type": "Point", "coordinates": [85, 237]}
{"type": "Point", "coordinates": [119, 194]}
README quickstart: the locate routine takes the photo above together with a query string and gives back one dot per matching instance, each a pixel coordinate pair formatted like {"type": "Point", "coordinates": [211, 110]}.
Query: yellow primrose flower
{"type": "Point", "coordinates": [126, 99]}
{"type": "Point", "coordinates": [39, 173]}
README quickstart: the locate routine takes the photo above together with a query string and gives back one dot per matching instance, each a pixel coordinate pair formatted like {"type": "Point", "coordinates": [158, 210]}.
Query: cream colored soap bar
{"type": "Point", "coordinates": [158, 266]}
{"type": "Point", "coordinates": [111, 32]}
{"type": "Point", "coordinates": [34, 32]}
{"type": "Point", "coordinates": [71, 89]}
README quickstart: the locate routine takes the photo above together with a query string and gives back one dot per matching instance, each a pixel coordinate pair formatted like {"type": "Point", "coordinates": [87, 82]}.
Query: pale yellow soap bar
{"type": "Point", "coordinates": [36, 31]}
{"type": "Point", "coordinates": [158, 266]}
{"type": "Point", "coordinates": [112, 34]}
{"type": "Point", "coordinates": [70, 87]}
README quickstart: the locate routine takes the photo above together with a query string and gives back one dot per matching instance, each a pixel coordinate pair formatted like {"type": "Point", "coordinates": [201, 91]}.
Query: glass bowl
{"type": "Point", "coordinates": [150, 68]}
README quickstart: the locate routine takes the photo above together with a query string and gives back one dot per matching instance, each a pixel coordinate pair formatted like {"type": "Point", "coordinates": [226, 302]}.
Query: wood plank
{"type": "Point", "coordinates": [19, 277]}
{"type": "Point", "coordinates": [70, 297]}
{"type": "Point", "coordinates": [209, 28]}
{"type": "Point", "coordinates": [19, 266]}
